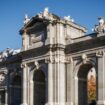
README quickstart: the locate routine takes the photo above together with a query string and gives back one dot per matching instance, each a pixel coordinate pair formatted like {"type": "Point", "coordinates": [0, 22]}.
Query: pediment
{"type": "Point", "coordinates": [34, 24]}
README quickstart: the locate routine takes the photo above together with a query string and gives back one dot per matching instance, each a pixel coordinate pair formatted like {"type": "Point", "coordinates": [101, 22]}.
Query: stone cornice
{"type": "Point", "coordinates": [39, 51]}
{"type": "Point", "coordinates": [13, 59]}
{"type": "Point", "coordinates": [85, 45]}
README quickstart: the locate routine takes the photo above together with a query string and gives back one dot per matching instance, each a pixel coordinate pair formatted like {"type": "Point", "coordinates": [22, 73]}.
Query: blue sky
{"type": "Point", "coordinates": [84, 12]}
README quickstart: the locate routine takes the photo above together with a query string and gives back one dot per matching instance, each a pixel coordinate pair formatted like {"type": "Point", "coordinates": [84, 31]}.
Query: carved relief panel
{"type": "Point", "coordinates": [37, 34]}
{"type": "Point", "coordinates": [37, 37]}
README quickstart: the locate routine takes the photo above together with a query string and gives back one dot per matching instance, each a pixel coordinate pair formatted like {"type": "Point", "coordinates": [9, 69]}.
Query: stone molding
{"type": "Point", "coordinates": [36, 63]}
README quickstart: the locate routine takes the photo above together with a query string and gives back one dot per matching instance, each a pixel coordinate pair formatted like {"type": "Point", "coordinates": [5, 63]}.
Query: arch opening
{"type": "Point", "coordinates": [85, 77]}
{"type": "Point", "coordinates": [39, 88]}
{"type": "Point", "coordinates": [16, 90]}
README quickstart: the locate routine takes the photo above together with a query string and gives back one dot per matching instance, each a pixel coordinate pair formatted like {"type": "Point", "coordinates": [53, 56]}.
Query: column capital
{"type": "Point", "coordinates": [60, 59]}
{"type": "Point", "coordinates": [100, 53]}
{"type": "Point", "coordinates": [23, 65]}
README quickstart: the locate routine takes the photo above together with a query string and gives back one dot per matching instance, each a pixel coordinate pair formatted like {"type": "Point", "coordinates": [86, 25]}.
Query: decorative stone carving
{"type": "Point", "coordinates": [84, 58]}
{"type": "Point", "coordinates": [37, 37]}
{"type": "Point", "coordinates": [37, 64]}
{"type": "Point", "coordinates": [23, 65]}
{"type": "Point", "coordinates": [49, 60]}
{"type": "Point", "coordinates": [2, 77]}
{"type": "Point", "coordinates": [61, 59]}
{"type": "Point", "coordinates": [100, 28]}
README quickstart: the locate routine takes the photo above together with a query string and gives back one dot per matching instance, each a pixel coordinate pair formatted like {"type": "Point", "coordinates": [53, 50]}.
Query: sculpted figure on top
{"type": "Point", "coordinates": [26, 20]}
{"type": "Point", "coordinates": [7, 53]}
{"type": "Point", "coordinates": [46, 15]}
{"type": "Point", "coordinates": [100, 28]}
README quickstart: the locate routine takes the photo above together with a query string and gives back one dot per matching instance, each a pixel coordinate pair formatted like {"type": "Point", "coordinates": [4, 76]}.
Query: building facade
{"type": "Point", "coordinates": [52, 66]}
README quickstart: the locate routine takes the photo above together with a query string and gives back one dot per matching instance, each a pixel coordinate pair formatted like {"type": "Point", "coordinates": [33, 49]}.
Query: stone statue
{"type": "Point", "coordinates": [26, 20]}
{"type": "Point", "coordinates": [46, 12]}
{"type": "Point", "coordinates": [100, 28]}
{"type": "Point", "coordinates": [8, 52]}
{"type": "Point", "coordinates": [46, 15]}
{"type": "Point", "coordinates": [68, 18]}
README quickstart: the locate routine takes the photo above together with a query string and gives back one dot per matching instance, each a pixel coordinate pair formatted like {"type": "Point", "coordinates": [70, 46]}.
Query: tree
{"type": "Point", "coordinates": [91, 88]}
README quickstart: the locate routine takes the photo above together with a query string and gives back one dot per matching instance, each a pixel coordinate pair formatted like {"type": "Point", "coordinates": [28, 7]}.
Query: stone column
{"type": "Point", "coordinates": [70, 82]}
{"type": "Point", "coordinates": [75, 90]}
{"type": "Point", "coordinates": [56, 79]}
{"type": "Point", "coordinates": [50, 84]}
{"type": "Point", "coordinates": [61, 83]}
{"type": "Point", "coordinates": [6, 97]}
{"type": "Point", "coordinates": [101, 77]}
{"type": "Point", "coordinates": [28, 85]}
{"type": "Point", "coordinates": [24, 83]}
{"type": "Point", "coordinates": [31, 92]}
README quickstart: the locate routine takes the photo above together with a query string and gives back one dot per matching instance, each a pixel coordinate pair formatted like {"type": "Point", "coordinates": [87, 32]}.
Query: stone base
{"type": "Point", "coordinates": [69, 103]}
{"type": "Point", "coordinates": [56, 103]}
{"type": "Point", "coordinates": [24, 104]}
{"type": "Point", "coordinates": [101, 102]}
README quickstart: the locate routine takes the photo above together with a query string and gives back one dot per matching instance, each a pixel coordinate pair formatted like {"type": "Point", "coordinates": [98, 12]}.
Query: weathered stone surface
{"type": "Point", "coordinates": [53, 64]}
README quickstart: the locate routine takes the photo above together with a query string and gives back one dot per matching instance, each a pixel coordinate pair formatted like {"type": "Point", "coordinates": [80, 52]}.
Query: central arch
{"type": "Point", "coordinates": [39, 87]}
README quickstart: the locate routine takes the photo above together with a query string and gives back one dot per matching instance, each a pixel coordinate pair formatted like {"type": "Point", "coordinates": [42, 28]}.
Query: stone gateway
{"type": "Point", "coordinates": [52, 66]}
